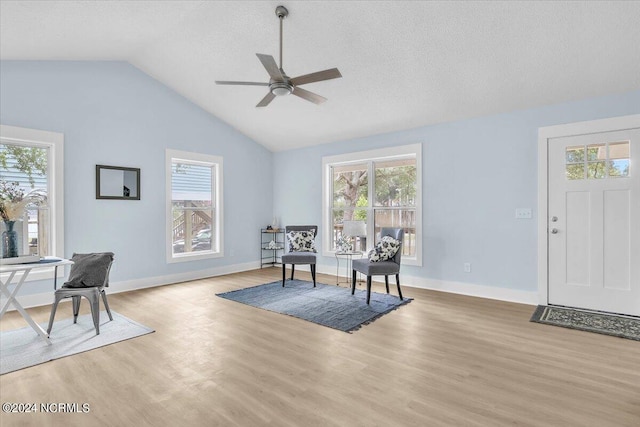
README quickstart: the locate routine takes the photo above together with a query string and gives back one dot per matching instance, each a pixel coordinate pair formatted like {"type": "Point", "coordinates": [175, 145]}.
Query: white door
{"type": "Point", "coordinates": [594, 221]}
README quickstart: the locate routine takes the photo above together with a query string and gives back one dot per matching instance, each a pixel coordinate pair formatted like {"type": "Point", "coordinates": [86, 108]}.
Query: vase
{"type": "Point", "coordinates": [9, 241]}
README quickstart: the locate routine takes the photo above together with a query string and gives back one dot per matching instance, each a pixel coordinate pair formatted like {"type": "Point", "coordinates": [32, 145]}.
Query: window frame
{"type": "Point", "coordinates": [53, 141]}
{"type": "Point", "coordinates": [216, 162]}
{"type": "Point", "coordinates": [369, 157]}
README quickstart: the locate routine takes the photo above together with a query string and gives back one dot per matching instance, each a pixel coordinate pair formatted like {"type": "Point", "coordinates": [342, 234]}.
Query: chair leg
{"type": "Point", "coordinates": [398, 283]}
{"type": "Point", "coordinates": [386, 282]}
{"type": "Point", "coordinates": [54, 307]}
{"type": "Point", "coordinates": [293, 269]}
{"type": "Point", "coordinates": [284, 274]}
{"type": "Point", "coordinates": [106, 304]}
{"type": "Point", "coordinates": [368, 288]}
{"type": "Point", "coordinates": [76, 307]}
{"type": "Point", "coordinates": [353, 281]}
{"type": "Point", "coordinates": [94, 300]}
{"type": "Point", "coordinates": [313, 274]}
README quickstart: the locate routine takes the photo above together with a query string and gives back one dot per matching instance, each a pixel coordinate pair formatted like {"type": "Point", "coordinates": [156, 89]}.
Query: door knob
{"type": "Point", "coordinates": [554, 231]}
{"type": "Point", "coordinates": [554, 218]}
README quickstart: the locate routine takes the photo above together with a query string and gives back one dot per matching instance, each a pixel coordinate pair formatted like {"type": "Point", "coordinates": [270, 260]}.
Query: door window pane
{"type": "Point", "coordinates": [596, 170]}
{"type": "Point", "coordinates": [575, 171]}
{"type": "Point", "coordinates": [575, 154]}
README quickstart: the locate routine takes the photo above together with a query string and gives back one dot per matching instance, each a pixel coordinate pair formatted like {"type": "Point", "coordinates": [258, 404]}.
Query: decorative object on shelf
{"type": "Point", "coordinates": [13, 205]}
{"type": "Point", "coordinates": [271, 246]}
{"type": "Point", "coordinates": [274, 223]}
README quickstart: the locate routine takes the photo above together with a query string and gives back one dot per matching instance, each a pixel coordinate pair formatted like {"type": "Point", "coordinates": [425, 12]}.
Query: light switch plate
{"type": "Point", "coordinates": [523, 213]}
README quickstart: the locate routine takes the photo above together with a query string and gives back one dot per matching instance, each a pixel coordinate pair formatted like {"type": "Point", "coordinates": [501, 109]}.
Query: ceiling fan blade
{"type": "Point", "coordinates": [266, 100]}
{"type": "Point", "coordinates": [309, 96]}
{"type": "Point", "coordinates": [319, 76]}
{"type": "Point", "coordinates": [241, 83]}
{"type": "Point", "coordinates": [270, 65]}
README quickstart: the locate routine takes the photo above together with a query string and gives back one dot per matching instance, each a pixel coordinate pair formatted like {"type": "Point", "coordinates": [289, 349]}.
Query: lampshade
{"type": "Point", "coordinates": [354, 228]}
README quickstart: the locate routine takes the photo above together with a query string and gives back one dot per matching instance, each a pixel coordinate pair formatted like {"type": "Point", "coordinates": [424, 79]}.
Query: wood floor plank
{"type": "Point", "coordinates": [442, 360]}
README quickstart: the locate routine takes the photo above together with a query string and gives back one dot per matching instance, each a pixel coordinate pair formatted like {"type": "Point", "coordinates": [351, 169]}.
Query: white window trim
{"type": "Point", "coordinates": [194, 158]}
{"type": "Point", "coordinates": [54, 141]}
{"type": "Point", "coordinates": [375, 155]}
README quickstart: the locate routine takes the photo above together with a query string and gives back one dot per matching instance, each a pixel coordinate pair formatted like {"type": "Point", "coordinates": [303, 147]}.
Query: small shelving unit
{"type": "Point", "coordinates": [271, 256]}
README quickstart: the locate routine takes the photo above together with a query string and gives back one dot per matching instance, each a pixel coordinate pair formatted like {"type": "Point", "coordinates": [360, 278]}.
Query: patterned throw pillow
{"type": "Point", "coordinates": [384, 250]}
{"type": "Point", "coordinates": [301, 241]}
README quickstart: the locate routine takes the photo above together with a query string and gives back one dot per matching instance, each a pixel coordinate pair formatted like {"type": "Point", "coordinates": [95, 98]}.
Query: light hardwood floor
{"type": "Point", "coordinates": [442, 360]}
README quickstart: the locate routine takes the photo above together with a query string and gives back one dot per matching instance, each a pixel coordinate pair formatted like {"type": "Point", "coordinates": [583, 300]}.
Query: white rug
{"type": "Point", "coordinates": [22, 348]}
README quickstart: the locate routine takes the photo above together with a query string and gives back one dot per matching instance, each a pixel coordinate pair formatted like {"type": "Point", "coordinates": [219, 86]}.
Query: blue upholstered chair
{"type": "Point", "coordinates": [380, 268]}
{"type": "Point", "coordinates": [294, 258]}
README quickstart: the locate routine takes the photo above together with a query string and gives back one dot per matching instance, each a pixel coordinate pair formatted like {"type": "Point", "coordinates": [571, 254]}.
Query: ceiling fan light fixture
{"type": "Point", "coordinates": [281, 89]}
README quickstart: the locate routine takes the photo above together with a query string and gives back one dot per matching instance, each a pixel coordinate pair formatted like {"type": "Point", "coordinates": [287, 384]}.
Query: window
{"type": "Point", "coordinates": [366, 191]}
{"type": "Point", "coordinates": [31, 161]}
{"type": "Point", "coordinates": [194, 206]}
{"type": "Point", "coordinates": [598, 161]}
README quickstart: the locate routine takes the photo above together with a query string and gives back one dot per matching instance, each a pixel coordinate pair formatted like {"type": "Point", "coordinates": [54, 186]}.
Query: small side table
{"type": "Point", "coordinates": [348, 255]}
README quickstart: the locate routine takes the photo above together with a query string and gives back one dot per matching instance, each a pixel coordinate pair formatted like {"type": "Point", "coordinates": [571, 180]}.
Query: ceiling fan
{"type": "Point", "coordinates": [279, 83]}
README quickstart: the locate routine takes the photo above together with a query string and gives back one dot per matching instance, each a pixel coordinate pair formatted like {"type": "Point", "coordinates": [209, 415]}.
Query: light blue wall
{"type": "Point", "coordinates": [111, 113]}
{"type": "Point", "coordinates": [475, 174]}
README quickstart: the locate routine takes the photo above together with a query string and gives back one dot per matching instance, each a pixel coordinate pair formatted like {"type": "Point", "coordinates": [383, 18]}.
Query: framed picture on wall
{"type": "Point", "coordinates": [117, 183]}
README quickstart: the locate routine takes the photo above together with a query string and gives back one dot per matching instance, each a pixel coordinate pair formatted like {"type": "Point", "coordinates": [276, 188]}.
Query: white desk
{"type": "Point", "coordinates": [11, 296]}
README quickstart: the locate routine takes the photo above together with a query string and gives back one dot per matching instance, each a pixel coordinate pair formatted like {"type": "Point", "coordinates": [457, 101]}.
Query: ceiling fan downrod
{"type": "Point", "coordinates": [281, 13]}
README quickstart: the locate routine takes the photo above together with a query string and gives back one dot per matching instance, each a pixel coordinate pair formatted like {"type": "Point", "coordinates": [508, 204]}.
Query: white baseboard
{"type": "Point", "coordinates": [46, 298]}
{"type": "Point", "coordinates": [470, 289]}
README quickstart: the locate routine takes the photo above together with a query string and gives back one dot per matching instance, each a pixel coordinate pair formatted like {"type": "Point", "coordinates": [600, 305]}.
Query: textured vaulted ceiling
{"type": "Point", "coordinates": [404, 64]}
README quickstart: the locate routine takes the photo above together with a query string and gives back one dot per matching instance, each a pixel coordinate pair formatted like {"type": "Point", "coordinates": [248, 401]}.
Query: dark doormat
{"type": "Point", "coordinates": [601, 323]}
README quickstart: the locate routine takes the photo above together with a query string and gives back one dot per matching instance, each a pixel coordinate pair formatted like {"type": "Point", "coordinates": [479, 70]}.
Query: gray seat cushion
{"type": "Point", "coordinates": [299, 258]}
{"type": "Point", "coordinates": [89, 270]}
{"type": "Point", "coordinates": [368, 268]}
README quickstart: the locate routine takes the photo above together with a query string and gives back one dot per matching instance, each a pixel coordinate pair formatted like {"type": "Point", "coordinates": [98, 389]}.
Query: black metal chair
{"type": "Point", "coordinates": [380, 268]}
{"type": "Point", "coordinates": [88, 277]}
{"type": "Point", "coordinates": [295, 257]}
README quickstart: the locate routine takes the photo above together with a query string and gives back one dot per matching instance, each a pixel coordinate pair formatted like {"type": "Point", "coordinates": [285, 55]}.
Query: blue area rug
{"type": "Point", "coordinates": [326, 305]}
{"type": "Point", "coordinates": [22, 348]}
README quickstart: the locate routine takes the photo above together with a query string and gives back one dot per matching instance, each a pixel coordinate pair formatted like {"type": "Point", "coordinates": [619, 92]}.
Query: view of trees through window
{"type": "Point", "coordinates": [24, 171]}
{"type": "Point", "coordinates": [382, 193]}
{"type": "Point", "coordinates": [598, 161]}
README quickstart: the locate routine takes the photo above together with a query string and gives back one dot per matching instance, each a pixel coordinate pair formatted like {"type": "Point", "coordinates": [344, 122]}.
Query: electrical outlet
{"type": "Point", "coordinates": [467, 267]}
